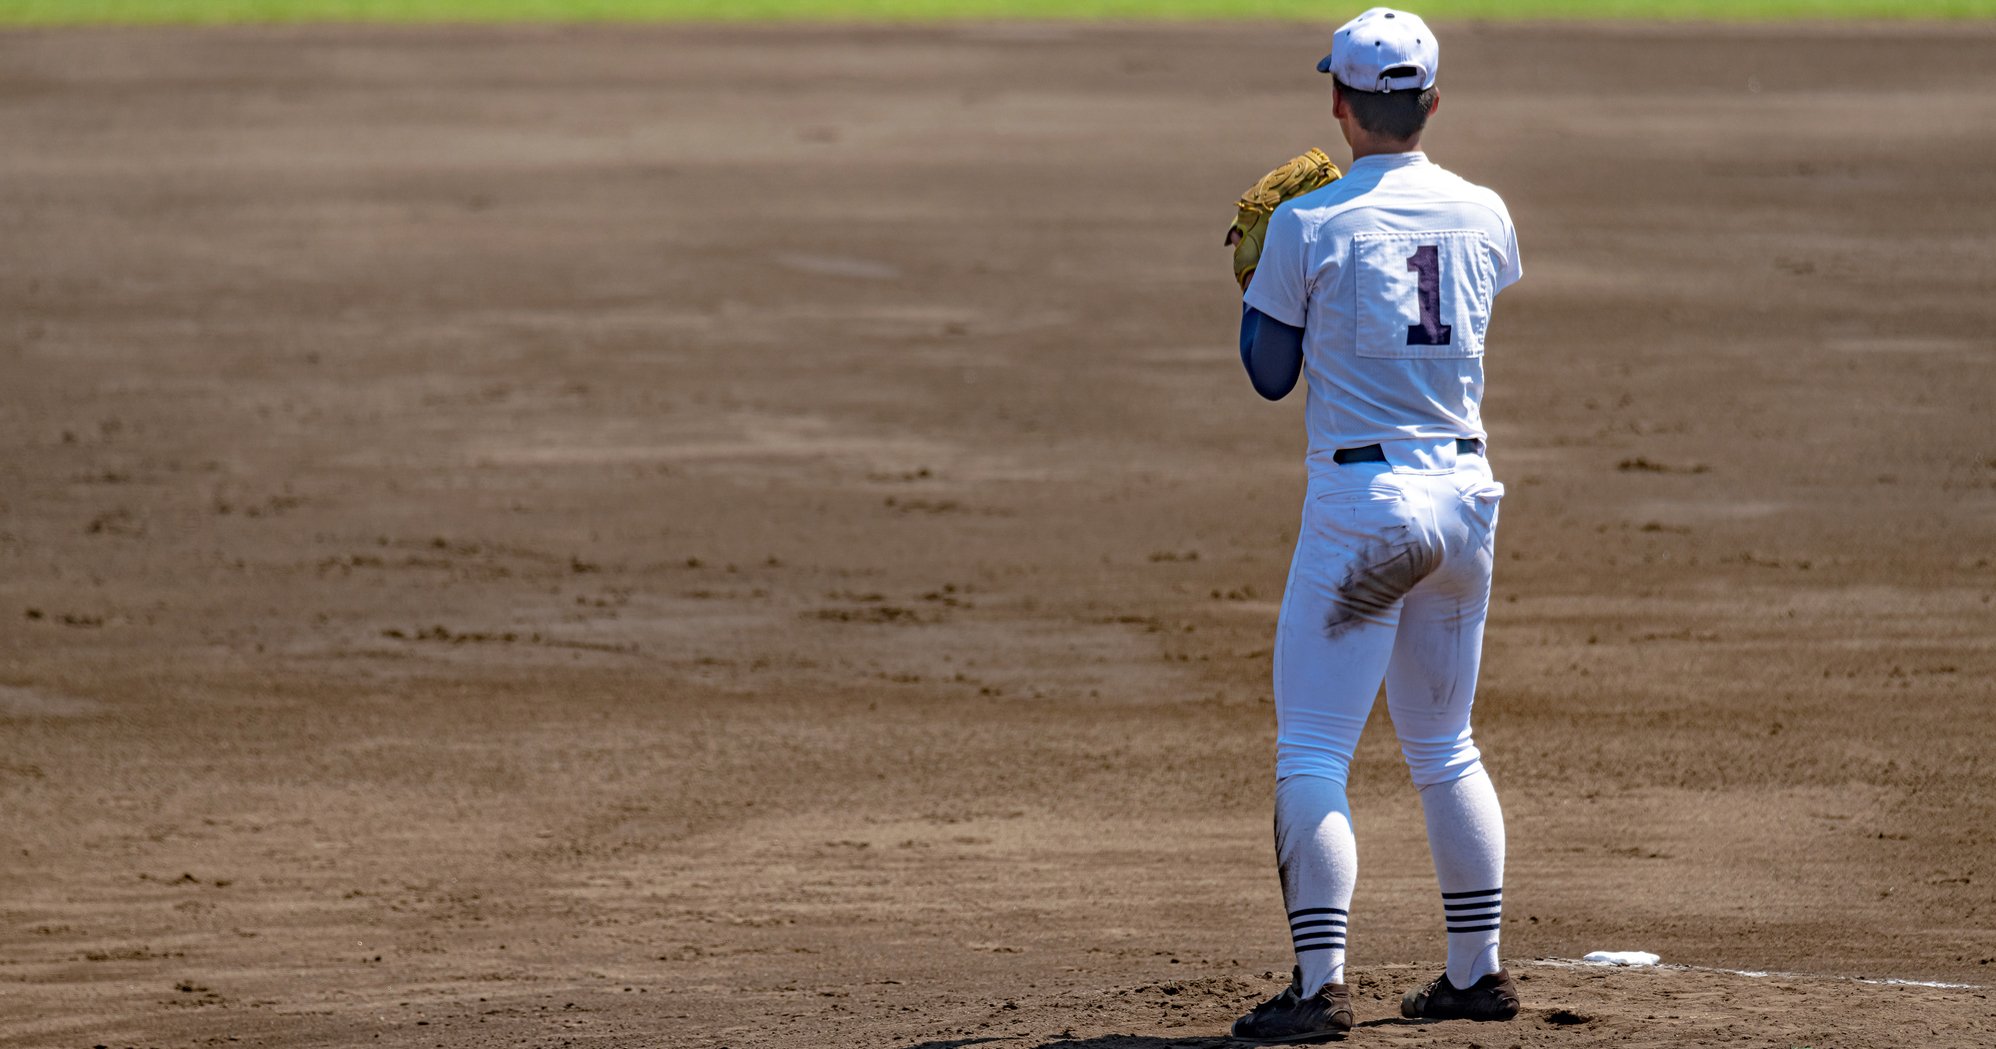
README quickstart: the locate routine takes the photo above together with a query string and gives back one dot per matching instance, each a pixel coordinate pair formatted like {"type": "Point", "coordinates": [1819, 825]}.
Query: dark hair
{"type": "Point", "coordinates": [1393, 114]}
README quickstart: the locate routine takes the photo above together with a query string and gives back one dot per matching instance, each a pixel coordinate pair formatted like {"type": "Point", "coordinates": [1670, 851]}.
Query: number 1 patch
{"type": "Point", "coordinates": [1422, 295]}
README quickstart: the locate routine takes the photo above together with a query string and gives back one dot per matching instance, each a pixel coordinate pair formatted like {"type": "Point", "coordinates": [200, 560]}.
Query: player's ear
{"type": "Point", "coordinates": [1338, 107]}
{"type": "Point", "coordinates": [1436, 105]}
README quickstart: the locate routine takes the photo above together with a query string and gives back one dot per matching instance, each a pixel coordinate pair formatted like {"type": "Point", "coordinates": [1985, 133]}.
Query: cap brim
{"type": "Point", "coordinates": [1325, 65]}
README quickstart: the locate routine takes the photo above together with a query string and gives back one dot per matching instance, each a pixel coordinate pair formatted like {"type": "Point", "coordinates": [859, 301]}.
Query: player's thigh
{"type": "Point", "coordinates": [1350, 541]}
{"type": "Point", "coordinates": [1437, 657]}
{"type": "Point", "coordinates": [1324, 689]}
{"type": "Point", "coordinates": [1328, 663]}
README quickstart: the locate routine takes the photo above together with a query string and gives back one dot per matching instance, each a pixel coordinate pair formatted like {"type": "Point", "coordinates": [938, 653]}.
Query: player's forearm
{"type": "Point", "coordinates": [1272, 353]}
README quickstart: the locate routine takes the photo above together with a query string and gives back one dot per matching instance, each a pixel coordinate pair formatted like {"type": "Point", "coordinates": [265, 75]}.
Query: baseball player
{"type": "Point", "coordinates": [1377, 285]}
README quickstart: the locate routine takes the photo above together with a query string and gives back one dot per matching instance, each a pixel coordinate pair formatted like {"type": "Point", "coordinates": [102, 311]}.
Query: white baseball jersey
{"type": "Point", "coordinates": [1390, 271]}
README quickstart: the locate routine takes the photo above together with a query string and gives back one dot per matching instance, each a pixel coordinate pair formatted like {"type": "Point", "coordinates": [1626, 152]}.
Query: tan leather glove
{"type": "Point", "coordinates": [1299, 176]}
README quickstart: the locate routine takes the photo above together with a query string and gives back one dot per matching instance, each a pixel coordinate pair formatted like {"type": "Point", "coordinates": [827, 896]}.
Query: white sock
{"type": "Point", "coordinates": [1466, 835]}
{"type": "Point", "coordinates": [1318, 859]}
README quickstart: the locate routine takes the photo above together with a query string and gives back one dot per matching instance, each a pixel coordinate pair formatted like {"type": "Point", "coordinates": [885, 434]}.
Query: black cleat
{"type": "Point", "coordinates": [1290, 1017]}
{"type": "Point", "coordinates": [1494, 997]}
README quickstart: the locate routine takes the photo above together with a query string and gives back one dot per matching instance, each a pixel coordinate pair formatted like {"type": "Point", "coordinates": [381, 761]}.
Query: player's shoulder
{"type": "Point", "coordinates": [1468, 192]}
{"type": "Point", "coordinates": [1314, 209]}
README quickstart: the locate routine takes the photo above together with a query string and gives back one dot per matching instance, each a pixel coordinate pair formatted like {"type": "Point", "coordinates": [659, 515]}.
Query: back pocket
{"type": "Point", "coordinates": [1482, 499]}
{"type": "Point", "coordinates": [1422, 296]}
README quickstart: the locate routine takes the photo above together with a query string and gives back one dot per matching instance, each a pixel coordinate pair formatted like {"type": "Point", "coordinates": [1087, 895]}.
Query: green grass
{"type": "Point", "coordinates": [60, 12]}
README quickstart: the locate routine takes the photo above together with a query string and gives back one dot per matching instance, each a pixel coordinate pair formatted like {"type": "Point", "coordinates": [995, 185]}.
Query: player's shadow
{"type": "Point", "coordinates": [1106, 1041]}
{"type": "Point", "coordinates": [1145, 1041]}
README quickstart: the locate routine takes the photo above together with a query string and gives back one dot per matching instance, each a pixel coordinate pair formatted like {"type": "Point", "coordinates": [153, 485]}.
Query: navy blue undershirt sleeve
{"type": "Point", "coordinates": [1272, 353]}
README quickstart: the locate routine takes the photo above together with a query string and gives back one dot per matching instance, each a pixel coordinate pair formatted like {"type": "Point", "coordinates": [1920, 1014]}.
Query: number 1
{"type": "Point", "coordinates": [1426, 262]}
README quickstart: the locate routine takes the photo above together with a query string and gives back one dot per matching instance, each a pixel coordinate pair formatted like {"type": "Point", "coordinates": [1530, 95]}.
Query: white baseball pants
{"type": "Point", "coordinates": [1391, 581]}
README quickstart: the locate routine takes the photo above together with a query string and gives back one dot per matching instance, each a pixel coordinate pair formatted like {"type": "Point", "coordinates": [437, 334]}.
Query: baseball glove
{"type": "Point", "coordinates": [1299, 176]}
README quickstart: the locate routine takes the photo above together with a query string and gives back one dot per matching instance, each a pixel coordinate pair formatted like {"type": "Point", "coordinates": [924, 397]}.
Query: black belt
{"type": "Point", "coordinates": [1372, 453]}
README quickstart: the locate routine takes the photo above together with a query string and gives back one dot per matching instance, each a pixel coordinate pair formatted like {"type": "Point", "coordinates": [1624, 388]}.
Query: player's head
{"type": "Point", "coordinates": [1384, 64]}
{"type": "Point", "coordinates": [1397, 116]}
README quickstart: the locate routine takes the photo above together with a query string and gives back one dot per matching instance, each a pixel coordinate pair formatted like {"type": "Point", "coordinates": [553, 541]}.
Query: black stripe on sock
{"type": "Point", "coordinates": [1467, 895]}
{"type": "Point", "coordinates": [1472, 906]}
{"type": "Point", "coordinates": [1327, 934]}
{"type": "Point", "coordinates": [1328, 922]}
{"type": "Point", "coordinates": [1293, 915]}
{"type": "Point", "coordinates": [1472, 928]}
{"type": "Point", "coordinates": [1306, 948]}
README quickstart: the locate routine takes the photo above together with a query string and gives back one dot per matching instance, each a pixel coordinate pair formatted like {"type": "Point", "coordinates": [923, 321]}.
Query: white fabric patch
{"type": "Point", "coordinates": [1422, 296]}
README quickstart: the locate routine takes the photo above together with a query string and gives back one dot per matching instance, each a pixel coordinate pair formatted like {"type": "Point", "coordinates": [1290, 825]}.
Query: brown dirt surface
{"type": "Point", "coordinates": [758, 536]}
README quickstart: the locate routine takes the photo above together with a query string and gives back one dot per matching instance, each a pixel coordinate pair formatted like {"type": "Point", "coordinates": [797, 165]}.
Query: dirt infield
{"type": "Point", "coordinates": [659, 537]}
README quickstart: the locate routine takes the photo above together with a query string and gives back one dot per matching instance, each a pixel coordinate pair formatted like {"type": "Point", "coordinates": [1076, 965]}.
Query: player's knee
{"type": "Point", "coordinates": [1430, 762]}
{"type": "Point", "coordinates": [1301, 759]}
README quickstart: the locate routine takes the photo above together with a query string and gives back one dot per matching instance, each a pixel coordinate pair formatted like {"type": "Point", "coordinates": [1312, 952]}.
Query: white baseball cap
{"type": "Point", "coordinates": [1384, 50]}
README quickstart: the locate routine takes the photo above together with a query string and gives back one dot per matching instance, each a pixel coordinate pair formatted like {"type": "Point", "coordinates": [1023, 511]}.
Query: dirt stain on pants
{"type": "Point", "coordinates": [1376, 581]}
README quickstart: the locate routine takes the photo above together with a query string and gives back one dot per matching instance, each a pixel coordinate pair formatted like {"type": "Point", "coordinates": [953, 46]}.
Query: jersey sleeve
{"type": "Point", "coordinates": [1280, 287]}
{"type": "Point", "coordinates": [1509, 268]}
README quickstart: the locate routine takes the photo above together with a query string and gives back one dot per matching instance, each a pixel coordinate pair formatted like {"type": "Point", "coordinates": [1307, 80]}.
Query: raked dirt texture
{"type": "Point", "coordinates": [226, 12]}
{"type": "Point", "coordinates": [757, 536]}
